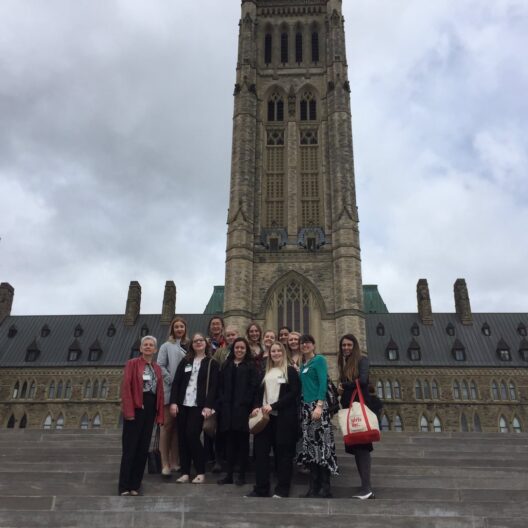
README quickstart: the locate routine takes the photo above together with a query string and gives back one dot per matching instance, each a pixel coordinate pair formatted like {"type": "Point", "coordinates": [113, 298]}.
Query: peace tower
{"type": "Point", "coordinates": [293, 253]}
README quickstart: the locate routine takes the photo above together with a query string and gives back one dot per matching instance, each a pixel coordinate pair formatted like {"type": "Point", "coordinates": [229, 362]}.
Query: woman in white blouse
{"type": "Point", "coordinates": [278, 397]}
{"type": "Point", "coordinates": [192, 399]}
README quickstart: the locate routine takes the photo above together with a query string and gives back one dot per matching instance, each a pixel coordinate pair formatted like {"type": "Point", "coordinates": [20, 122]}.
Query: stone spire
{"type": "Point", "coordinates": [168, 308]}
{"type": "Point", "coordinates": [425, 310]}
{"type": "Point", "coordinates": [462, 305]}
{"type": "Point", "coordinates": [133, 303]}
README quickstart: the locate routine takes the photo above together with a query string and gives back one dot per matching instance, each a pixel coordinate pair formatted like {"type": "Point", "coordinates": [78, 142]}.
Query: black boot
{"type": "Point", "coordinates": [315, 482]}
{"type": "Point", "coordinates": [326, 491]}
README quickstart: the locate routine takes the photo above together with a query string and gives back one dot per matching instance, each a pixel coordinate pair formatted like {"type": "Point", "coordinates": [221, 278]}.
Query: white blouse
{"type": "Point", "coordinates": [272, 383]}
{"type": "Point", "coordinates": [192, 387]}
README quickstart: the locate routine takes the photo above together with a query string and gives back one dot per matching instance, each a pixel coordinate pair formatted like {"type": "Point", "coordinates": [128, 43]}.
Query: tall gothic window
{"type": "Point", "coordinates": [315, 46]}
{"type": "Point", "coordinates": [47, 422]}
{"type": "Point", "coordinates": [275, 108]}
{"type": "Point", "coordinates": [60, 422]}
{"type": "Point", "coordinates": [503, 425]}
{"type": "Point", "coordinates": [274, 181]}
{"type": "Point", "coordinates": [310, 195]}
{"type": "Point", "coordinates": [293, 307]}
{"type": "Point", "coordinates": [424, 424]}
{"type": "Point", "coordinates": [398, 424]}
{"type": "Point", "coordinates": [308, 107]}
{"type": "Point", "coordinates": [298, 47]}
{"type": "Point", "coordinates": [284, 47]}
{"type": "Point", "coordinates": [437, 425]}
{"type": "Point", "coordinates": [267, 48]}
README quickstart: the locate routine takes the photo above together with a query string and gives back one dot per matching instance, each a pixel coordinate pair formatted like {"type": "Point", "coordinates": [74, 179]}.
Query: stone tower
{"type": "Point", "coordinates": [293, 254]}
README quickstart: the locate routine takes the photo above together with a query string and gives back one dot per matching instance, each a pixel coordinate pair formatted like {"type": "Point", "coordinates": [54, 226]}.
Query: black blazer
{"type": "Point", "coordinates": [236, 395]}
{"type": "Point", "coordinates": [349, 386]}
{"type": "Point", "coordinates": [181, 380]}
{"type": "Point", "coordinates": [287, 407]}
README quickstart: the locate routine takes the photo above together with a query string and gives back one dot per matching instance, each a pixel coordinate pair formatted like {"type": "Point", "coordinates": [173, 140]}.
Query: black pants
{"type": "Point", "coordinates": [237, 450]}
{"type": "Point", "coordinates": [284, 454]}
{"type": "Point", "coordinates": [190, 424]}
{"type": "Point", "coordinates": [136, 441]}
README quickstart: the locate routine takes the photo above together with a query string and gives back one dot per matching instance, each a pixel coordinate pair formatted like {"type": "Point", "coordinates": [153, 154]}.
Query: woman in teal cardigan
{"type": "Point", "coordinates": [318, 446]}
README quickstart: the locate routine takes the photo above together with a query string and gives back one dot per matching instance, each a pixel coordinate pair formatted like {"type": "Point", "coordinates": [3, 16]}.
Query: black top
{"type": "Point", "coordinates": [349, 386]}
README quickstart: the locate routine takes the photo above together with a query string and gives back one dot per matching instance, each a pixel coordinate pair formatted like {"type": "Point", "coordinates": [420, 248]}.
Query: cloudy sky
{"type": "Point", "coordinates": [115, 139]}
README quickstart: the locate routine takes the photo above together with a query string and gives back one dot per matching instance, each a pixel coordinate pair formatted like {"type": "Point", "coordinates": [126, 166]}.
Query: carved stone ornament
{"type": "Point", "coordinates": [306, 234]}
{"type": "Point", "coordinates": [278, 233]}
{"type": "Point", "coordinates": [291, 101]}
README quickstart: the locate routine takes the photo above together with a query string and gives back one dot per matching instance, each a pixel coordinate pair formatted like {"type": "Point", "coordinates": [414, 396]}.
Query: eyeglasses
{"type": "Point", "coordinates": [198, 340]}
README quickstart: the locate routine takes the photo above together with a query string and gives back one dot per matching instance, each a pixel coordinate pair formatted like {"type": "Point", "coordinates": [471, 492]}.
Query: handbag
{"type": "Point", "coordinates": [154, 455]}
{"type": "Point", "coordinates": [358, 423]}
{"type": "Point", "coordinates": [209, 423]}
{"type": "Point", "coordinates": [258, 423]}
{"type": "Point", "coordinates": [332, 397]}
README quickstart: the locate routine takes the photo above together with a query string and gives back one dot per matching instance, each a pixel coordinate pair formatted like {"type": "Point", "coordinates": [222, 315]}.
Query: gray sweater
{"type": "Point", "coordinates": [169, 356]}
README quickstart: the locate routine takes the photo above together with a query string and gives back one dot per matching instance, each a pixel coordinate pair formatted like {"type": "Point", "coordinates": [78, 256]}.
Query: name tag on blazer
{"type": "Point", "coordinates": [281, 380]}
{"type": "Point", "coordinates": [305, 370]}
{"type": "Point", "coordinates": [147, 377]}
{"type": "Point", "coordinates": [188, 368]}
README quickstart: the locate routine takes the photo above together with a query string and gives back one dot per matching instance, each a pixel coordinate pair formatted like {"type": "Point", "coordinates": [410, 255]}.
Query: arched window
{"type": "Point", "coordinates": [415, 330]}
{"type": "Point", "coordinates": [16, 390]}
{"type": "Point", "coordinates": [385, 426]}
{"type": "Point", "coordinates": [379, 389]}
{"type": "Point", "coordinates": [84, 422]}
{"type": "Point", "coordinates": [424, 424]}
{"type": "Point", "coordinates": [47, 422]}
{"type": "Point", "coordinates": [495, 391]}
{"type": "Point", "coordinates": [456, 390]}
{"type": "Point", "coordinates": [473, 390]}
{"type": "Point", "coordinates": [427, 390]}
{"type": "Point", "coordinates": [295, 304]}
{"type": "Point", "coordinates": [516, 425]}
{"type": "Point", "coordinates": [45, 331]}
{"type": "Point", "coordinates": [380, 330]}
{"type": "Point", "coordinates": [111, 331]}
{"type": "Point", "coordinates": [398, 424]}
{"type": "Point", "coordinates": [267, 48]}
{"type": "Point", "coordinates": [11, 422]}
{"type": "Point", "coordinates": [144, 330]}
{"type": "Point", "coordinates": [503, 391]}
{"type": "Point", "coordinates": [68, 390]}
{"type": "Point", "coordinates": [96, 424]}
{"type": "Point", "coordinates": [23, 422]}
{"type": "Point", "coordinates": [51, 391]}
{"type": "Point", "coordinates": [308, 107]}
{"type": "Point", "coordinates": [284, 47]}
{"type": "Point", "coordinates": [513, 391]}
{"type": "Point", "coordinates": [60, 422]}
{"type": "Point", "coordinates": [476, 423]}
{"type": "Point", "coordinates": [298, 47]}
{"type": "Point", "coordinates": [88, 390]}
{"type": "Point", "coordinates": [95, 390]}
{"type": "Point", "coordinates": [486, 330]}
{"type": "Point", "coordinates": [32, 389]}
{"type": "Point", "coordinates": [104, 390]}
{"type": "Point", "coordinates": [276, 108]}
{"type": "Point", "coordinates": [465, 390]}
{"type": "Point", "coordinates": [59, 390]}
{"type": "Point", "coordinates": [463, 423]}
{"type": "Point", "coordinates": [435, 393]}
{"type": "Point", "coordinates": [503, 425]}
{"type": "Point", "coordinates": [450, 330]}
{"type": "Point", "coordinates": [418, 394]}
{"type": "Point", "coordinates": [396, 390]}
{"type": "Point", "coordinates": [78, 331]}
{"type": "Point", "coordinates": [23, 392]}
{"type": "Point", "coordinates": [315, 46]}
{"type": "Point", "coordinates": [437, 425]}
{"type": "Point", "coordinates": [388, 390]}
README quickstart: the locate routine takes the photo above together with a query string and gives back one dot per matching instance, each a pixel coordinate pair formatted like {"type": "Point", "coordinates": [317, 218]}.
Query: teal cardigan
{"type": "Point", "coordinates": [314, 376]}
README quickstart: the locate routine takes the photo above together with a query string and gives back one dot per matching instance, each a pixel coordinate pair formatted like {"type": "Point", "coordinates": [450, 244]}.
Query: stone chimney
{"type": "Point", "coordinates": [133, 303]}
{"type": "Point", "coordinates": [7, 292]}
{"type": "Point", "coordinates": [168, 309]}
{"type": "Point", "coordinates": [424, 302]}
{"type": "Point", "coordinates": [462, 305]}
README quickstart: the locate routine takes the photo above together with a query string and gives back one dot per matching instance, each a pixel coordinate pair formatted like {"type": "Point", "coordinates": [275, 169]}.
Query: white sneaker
{"type": "Point", "coordinates": [363, 495]}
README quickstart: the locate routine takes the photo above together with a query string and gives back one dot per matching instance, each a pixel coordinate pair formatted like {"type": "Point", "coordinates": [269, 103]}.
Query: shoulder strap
{"type": "Point", "coordinates": [208, 374]}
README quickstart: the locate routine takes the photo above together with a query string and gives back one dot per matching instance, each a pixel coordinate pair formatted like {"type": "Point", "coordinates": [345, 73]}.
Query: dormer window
{"type": "Point", "coordinates": [523, 350]}
{"type": "Point", "coordinates": [450, 330]}
{"type": "Point", "coordinates": [95, 351]}
{"type": "Point", "coordinates": [134, 351]}
{"type": "Point", "coordinates": [111, 331]}
{"type": "Point", "coordinates": [74, 352]}
{"type": "Point", "coordinates": [414, 351]}
{"type": "Point", "coordinates": [392, 351]}
{"type": "Point", "coordinates": [78, 331]}
{"type": "Point", "coordinates": [521, 330]}
{"type": "Point", "coordinates": [415, 330]}
{"type": "Point", "coordinates": [486, 330]}
{"type": "Point", "coordinates": [503, 351]}
{"type": "Point", "coordinates": [380, 330]}
{"type": "Point", "coordinates": [144, 330]}
{"type": "Point", "coordinates": [45, 331]}
{"type": "Point", "coordinates": [32, 352]}
{"type": "Point", "coordinates": [458, 351]}
{"type": "Point", "coordinates": [12, 332]}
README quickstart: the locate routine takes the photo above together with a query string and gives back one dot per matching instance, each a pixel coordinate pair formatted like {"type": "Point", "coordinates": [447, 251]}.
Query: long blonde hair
{"type": "Point", "coordinates": [285, 361]}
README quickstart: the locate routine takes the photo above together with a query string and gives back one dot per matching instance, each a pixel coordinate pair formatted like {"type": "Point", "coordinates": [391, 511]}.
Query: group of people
{"type": "Point", "coordinates": [228, 378]}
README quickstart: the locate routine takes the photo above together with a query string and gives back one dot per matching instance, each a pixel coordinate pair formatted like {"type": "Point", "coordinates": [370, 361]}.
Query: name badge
{"type": "Point", "coordinates": [305, 370]}
{"type": "Point", "coordinates": [281, 380]}
{"type": "Point", "coordinates": [147, 377]}
{"type": "Point", "coordinates": [188, 368]}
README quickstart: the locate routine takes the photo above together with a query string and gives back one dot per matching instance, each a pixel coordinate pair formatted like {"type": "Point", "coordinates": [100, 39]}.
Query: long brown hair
{"type": "Point", "coordinates": [191, 354]}
{"type": "Point", "coordinates": [184, 339]}
{"type": "Point", "coordinates": [349, 367]}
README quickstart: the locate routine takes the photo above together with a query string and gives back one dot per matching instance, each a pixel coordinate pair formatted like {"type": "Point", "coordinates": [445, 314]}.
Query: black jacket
{"type": "Point", "coordinates": [349, 386]}
{"type": "Point", "coordinates": [287, 407]}
{"type": "Point", "coordinates": [236, 391]}
{"type": "Point", "coordinates": [181, 380]}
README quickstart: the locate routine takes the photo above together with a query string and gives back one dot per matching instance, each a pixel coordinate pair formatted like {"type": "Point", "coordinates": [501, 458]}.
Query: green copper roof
{"type": "Point", "coordinates": [371, 299]}
{"type": "Point", "coordinates": [216, 302]}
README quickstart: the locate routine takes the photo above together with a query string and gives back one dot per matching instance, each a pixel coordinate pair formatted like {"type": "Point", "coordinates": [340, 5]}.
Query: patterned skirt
{"type": "Point", "coordinates": [318, 446]}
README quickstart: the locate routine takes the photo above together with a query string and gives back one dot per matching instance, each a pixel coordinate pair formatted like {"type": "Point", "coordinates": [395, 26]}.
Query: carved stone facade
{"type": "Point", "coordinates": [293, 254]}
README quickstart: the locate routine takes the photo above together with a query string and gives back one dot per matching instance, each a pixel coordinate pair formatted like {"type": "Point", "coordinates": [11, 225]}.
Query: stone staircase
{"type": "Point", "coordinates": [68, 479]}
